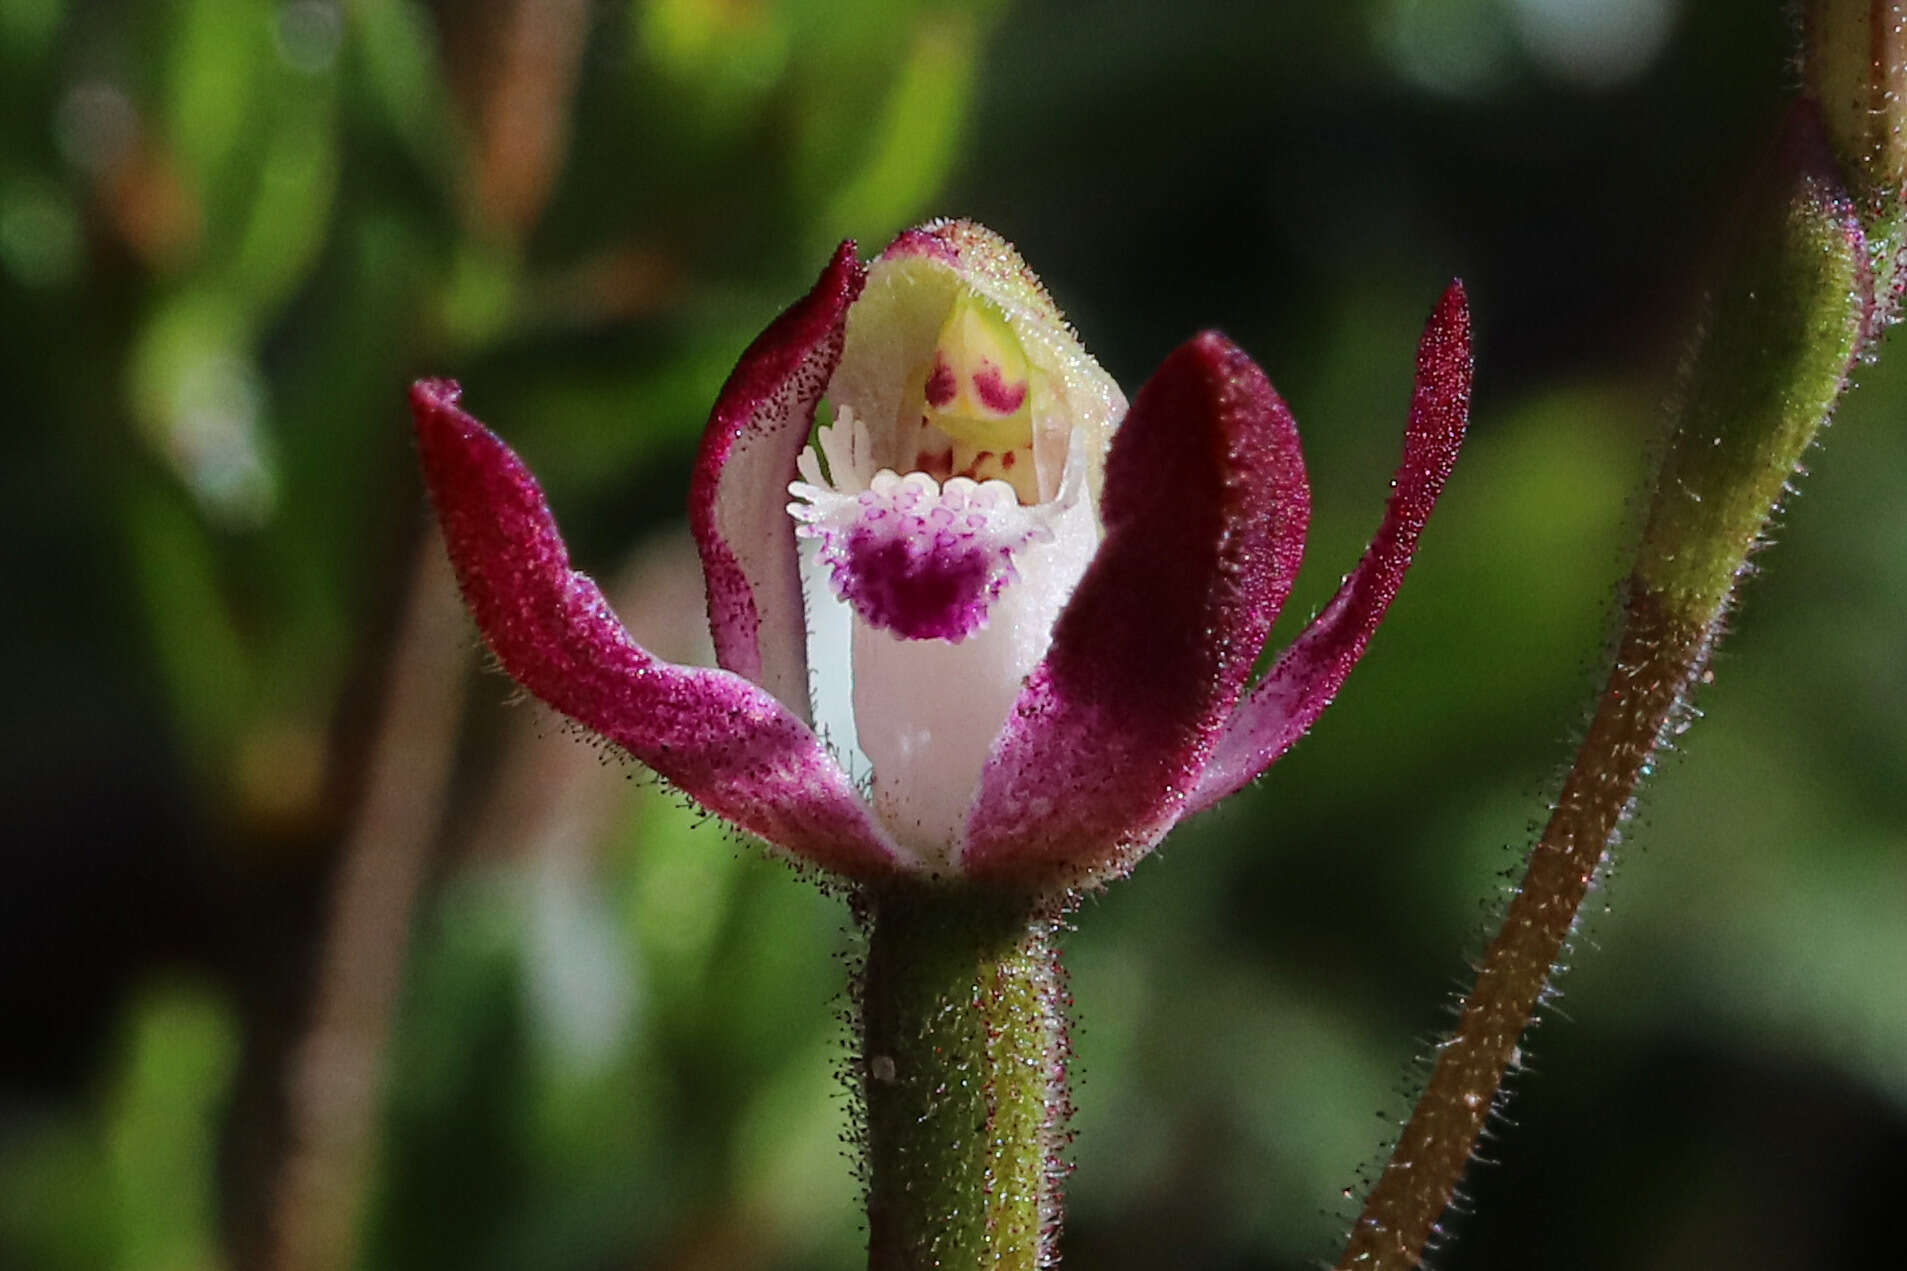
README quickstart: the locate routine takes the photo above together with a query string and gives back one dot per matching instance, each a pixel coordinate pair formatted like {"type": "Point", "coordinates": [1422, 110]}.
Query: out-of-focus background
{"type": "Point", "coordinates": [317, 953]}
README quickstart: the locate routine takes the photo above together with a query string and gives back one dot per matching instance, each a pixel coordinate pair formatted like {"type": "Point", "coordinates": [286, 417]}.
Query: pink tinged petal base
{"type": "Point", "coordinates": [737, 499]}
{"type": "Point", "coordinates": [720, 739]}
{"type": "Point", "coordinates": [1308, 675]}
{"type": "Point", "coordinates": [1205, 510]}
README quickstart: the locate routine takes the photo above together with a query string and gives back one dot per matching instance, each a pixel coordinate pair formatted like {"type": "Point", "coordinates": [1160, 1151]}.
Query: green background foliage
{"type": "Point", "coordinates": [232, 231]}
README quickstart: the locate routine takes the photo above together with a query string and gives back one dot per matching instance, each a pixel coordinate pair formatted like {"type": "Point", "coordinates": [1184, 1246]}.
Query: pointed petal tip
{"type": "Point", "coordinates": [1450, 320]}
{"type": "Point", "coordinates": [1440, 401]}
{"type": "Point", "coordinates": [1444, 348]}
{"type": "Point", "coordinates": [455, 450]}
{"type": "Point", "coordinates": [935, 238]}
{"type": "Point", "coordinates": [1447, 332]}
{"type": "Point", "coordinates": [1213, 347]}
{"type": "Point", "coordinates": [438, 420]}
{"type": "Point", "coordinates": [434, 393]}
{"type": "Point", "coordinates": [843, 275]}
{"type": "Point", "coordinates": [433, 401]}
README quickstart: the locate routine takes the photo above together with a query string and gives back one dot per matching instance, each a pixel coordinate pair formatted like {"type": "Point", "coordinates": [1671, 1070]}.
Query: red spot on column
{"type": "Point", "coordinates": [941, 385]}
{"type": "Point", "coordinates": [995, 393]}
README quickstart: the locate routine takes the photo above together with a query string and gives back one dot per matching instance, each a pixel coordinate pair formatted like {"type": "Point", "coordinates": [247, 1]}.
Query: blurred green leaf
{"type": "Point", "coordinates": [180, 1056]}
{"type": "Point", "coordinates": [40, 241]}
{"type": "Point", "coordinates": [722, 57]}
{"type": "Point", "coordinates": [130, 1185]}
{"type": "Point", "coordinates": [199, 649]}
{"type": "Point", "coordinates": [402, 77]}
{"type": "Point", "coordinates": [290, 210]}
{"type": "Point", "coordinates": [28, 26]}
{"type": "Point", "coordinates": [913, 148]}
{"type": "Point", "coordinates": [215, 69]}
{"type": "Point", "coordinates": [54, 1185]}
{"type": "Point", "coordinates": [199, 398]}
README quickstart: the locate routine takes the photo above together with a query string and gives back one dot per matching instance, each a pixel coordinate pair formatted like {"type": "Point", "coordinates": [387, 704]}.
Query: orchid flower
{"type": "Point", "coordinates": [1058, 600]}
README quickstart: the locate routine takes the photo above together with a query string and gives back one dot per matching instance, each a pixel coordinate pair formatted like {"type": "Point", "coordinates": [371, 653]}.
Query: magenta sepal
{"type": "Point", "coordinates": [738, 497]}
{"type": "Point", "coordinates": [1306, 676]}
{"type": "Point", "coordinates": [1205, 510]}
{"type": "Point", "coordinates": [722, 740]}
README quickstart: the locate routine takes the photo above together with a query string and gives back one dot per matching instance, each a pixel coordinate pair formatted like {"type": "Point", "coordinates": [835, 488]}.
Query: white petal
{"type": "Point", "coordinates": [927, 711]}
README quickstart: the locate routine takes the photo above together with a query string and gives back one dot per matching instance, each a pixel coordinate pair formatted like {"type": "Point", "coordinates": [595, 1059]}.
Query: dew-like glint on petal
{"type": "Point", "coordinates": [914, 557]}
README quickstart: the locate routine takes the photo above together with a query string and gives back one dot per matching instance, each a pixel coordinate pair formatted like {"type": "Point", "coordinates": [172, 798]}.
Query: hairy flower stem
{"type": "Point", "coordinates": [963, 1074]}
{"type": "Point", "coordinates": [1785, 324]}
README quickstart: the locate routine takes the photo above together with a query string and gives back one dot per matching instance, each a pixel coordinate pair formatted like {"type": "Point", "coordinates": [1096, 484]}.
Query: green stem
{"type": "Point", "coordinates": [963, 1079]}
{"type": "Point", "coordinates": [1784, 328]}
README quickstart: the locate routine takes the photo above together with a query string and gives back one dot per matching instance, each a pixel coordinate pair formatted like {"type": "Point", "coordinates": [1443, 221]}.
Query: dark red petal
{"type": "Point", "coordinates": [1205, 509]}
{"type": "Point", "coordinates": [738, 500]}
{"type": "Point", "coordinates": [1308, 675]}
{"type": "Point", "coordinates": [723, 741]}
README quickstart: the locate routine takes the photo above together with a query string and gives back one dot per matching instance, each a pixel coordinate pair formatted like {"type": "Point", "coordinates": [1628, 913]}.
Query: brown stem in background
{"type": "Point", "coordinates": [554, 800]}
{"type": "Point", "coordinates": [336, 1072]}
{"type": "Point", "coordinates": [553, 796]}
{"type": "Point", "coordinates": [623, 283]}
{"type": "Point", "coordinates": [1659, 659]}
{"type": "Point", "coordinates": [523, 124]}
